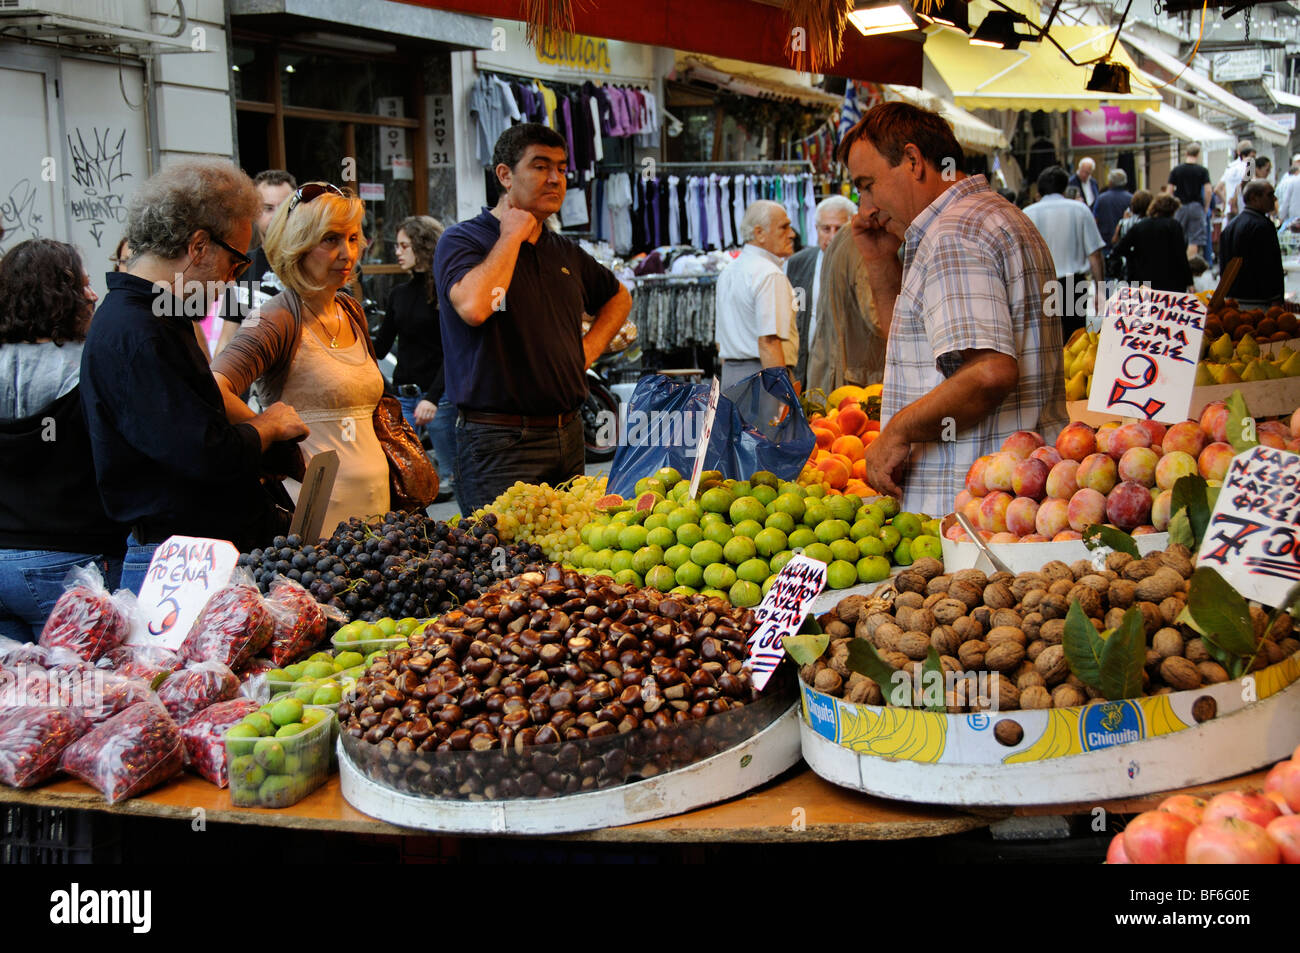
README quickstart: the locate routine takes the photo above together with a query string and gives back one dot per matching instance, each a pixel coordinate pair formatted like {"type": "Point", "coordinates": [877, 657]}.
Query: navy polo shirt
{"type": "Point", "coordinates": [527, 358]}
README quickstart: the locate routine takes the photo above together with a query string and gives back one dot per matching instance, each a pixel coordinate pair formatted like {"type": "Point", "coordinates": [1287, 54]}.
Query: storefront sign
{"type": "Point", "coordinates": [574, 52]}
{"type": "Point", "coordinates": [782, 612]}
{"type": "Point", "coordinates": [392, 139]}
{"type": "Point", "coordinates": [184, 573]}
{"type": "Point", "coordinates": [1146, 362]}
{"type": "Point", "coordinates": [1238, 65]}
{"type": "Point", "coordinates": [403, 170]}
{"type": "Point", "coordinates": [1108, 126]}
{"type": "Point", "coordinates": [442, 138]}
{"type": "Point", "coordinates": [565, 58]}
{"type": "Point", "coordinates": [1253, 539]}
{"type": "Point", "coordinates": [372, 191]}
{"type": "Point", "coordinates": [1285, 120]}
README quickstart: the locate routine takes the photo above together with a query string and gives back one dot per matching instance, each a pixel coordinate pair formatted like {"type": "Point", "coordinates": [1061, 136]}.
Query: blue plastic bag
{"type": "Point", "coordinates": [759, 425]}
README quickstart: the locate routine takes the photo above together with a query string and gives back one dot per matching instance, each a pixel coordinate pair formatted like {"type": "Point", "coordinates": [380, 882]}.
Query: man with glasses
{"type": "Point", "coordinates": [167, 460]}
{"type": "Point", "coordinates": [804, 269]}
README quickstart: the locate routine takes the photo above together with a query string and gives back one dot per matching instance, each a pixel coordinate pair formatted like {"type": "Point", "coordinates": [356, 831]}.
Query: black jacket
{"type": "Point", "coordinates": [1251, 237]}
{"type": "Point", "coordinates": [411, 320]}
{"type": "Point", "coordinates": [1156, 251]}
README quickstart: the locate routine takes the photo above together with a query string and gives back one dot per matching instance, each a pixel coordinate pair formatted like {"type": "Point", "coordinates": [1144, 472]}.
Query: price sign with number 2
{"type": "Point", "coordinates": [1146, 362]}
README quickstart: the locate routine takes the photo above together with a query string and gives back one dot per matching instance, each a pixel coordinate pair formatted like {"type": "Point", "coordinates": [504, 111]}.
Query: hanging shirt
{"type": "Point", "coordinates": [598, 147]}
{"type": "Point", "coordinates": [548, 101]}
{"type": "Point", "coordinates": [738, 201]}
{"type": "Point", "coordinates": [480, 107]}
{"type": "Point", "coordinates": [619, 200]}
{"type": "Point", "coordinates": [724, 211]}
{"type": "Point", "coordinates": [790, 200]}
{"type": "Point", "coordinates": [809, 211]}
{"type": "Point", "coordinates": [674, 227]}
{"type": "Point", "coordinates": [649, 130]}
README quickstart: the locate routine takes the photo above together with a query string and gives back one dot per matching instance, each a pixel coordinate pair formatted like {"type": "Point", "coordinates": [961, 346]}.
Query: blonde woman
{"type": "Point", "coordinates": [309, 346]}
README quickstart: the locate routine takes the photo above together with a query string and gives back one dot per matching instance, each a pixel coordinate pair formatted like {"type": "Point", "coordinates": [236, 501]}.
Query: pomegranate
{"type": "Point", "coordinates": [1157, 837]}
{"type": "Point", "coordinates": [1285, 832]}
{"type": "Point", "coordinates": [1115, 852]}
{"type": "Point", "coordinates": [1245, 805]}
{"type": "Point", "coordinates": [1184, 805]}
{"type": "Point", "coordinates": [1230, 840]}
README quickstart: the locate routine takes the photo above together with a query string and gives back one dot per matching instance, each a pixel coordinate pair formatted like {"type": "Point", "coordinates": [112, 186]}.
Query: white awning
{"type": "Point", "coordinates": [1188, 128]}
{"type": "Point", "coordinates": [971, 132]}
{"type": "Point", "coordinates": [1283, 98]}
{"type": "Point", "coordinates": [1266, 128]}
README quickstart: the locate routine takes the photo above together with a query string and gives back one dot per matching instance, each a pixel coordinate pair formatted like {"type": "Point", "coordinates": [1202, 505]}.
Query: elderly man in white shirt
{"type": "Point", "coordinates": [1288, 192]}
{"type": "Point", "coordinates": [1239, 170]}
{"type": "Point", "coordinates": [755, 302]}
{"type": "Point", "coordinates": [1071, 235]}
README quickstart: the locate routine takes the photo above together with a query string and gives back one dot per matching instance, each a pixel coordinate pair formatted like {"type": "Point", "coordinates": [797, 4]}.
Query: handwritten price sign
{"type": "Point", "coordinates": [184, 572]}
{"type": "Point", "coordinates": [1146, 363]}
{"type": "Point", "coordinates": [1253, 539]}
{"type": "Point", "coordinates": [706, 431]}
{"type": "Point", "coordinates": [782, 612]}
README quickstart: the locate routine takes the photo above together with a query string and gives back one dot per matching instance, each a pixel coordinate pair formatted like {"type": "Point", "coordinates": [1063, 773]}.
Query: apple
{"type": "Point", "coordinates": [1029, 478]}
{"type": "Point", "coordinates": [1157, 837]}
{"type": "Point", "coordinates": [1269, 439]}
{"type": "Point", "coordinates": [1276, 797]}
{"type": "Point", "coordinates": [963, 497]}
{"type": "Point", "coordinates": [1098, 472]}
{"type": "Point", "coordinates": [1277, 775]}
{"type": "Point", "coordinates": [1187, 437]}
{"type": "Point", "coordinates": [972, 509]}
{"type": "Point", "coordinates": [1214, 460]}
{"type": "Point", "coordinates": [1062, 480]}
{"type": "Point", "coordinates": [1214, 421]}
{"type": "Point", "coordinates": [1115, 852]}
{"type": "Point", "coordinates": [1291, 790]}
{"type": "Point", "coordinates": [1077, 440]}
{"type": "Point", "coordinates": [1145, 530]}
{"type": "Point", "coordinates": [1022, 443]}
{"type": "Point", "coordinates": [1230, 840]}
{"type": "Point", "coordinates": [1249, 806]}
{"type": "Point", "coordinates": [1185, 805]}
{"type": "Point", "coordinates": [1022, 513]}
{"type": "Point", "coordinates": [1285, 832]}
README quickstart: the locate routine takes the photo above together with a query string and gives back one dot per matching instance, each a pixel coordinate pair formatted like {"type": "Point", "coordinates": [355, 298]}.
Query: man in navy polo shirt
{"type": "Point", "coordinates": [511, 297]}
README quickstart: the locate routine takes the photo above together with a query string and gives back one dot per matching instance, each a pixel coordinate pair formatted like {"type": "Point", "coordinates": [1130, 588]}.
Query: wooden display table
{"type": "Point", "coordinates": [798, 807]}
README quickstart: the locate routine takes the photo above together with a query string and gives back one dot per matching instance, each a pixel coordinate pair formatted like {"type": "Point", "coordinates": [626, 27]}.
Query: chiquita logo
{"type": "Point", "coordinates": [821, 715]}
{"type": "Point", "coordinates": [1110, 724]}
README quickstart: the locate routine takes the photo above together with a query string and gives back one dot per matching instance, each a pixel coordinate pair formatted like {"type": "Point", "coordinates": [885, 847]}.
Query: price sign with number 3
{"type": "Point", "coordinates": [1146, 362]}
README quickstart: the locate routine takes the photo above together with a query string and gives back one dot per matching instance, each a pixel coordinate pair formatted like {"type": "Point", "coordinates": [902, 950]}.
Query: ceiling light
{"type": "Point", "coordinates": [1109, 78]}
{"type": "Point", "coordinates": [951, 13]}
{"type": "Point", "coordinates": [873, 17]}
{"type": "Point", "coordinates": [998, 29]}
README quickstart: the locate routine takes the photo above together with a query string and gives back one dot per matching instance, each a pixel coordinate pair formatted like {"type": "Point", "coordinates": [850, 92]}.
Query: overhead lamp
{"type": "Point", "coordinates": [950, 13]}
{"type": "Point", "coordinates": [998, 29]}
{"type": "Point", "coordinates": [874, 17]}
{"type": "Point", "coordinates": [1109, 78]}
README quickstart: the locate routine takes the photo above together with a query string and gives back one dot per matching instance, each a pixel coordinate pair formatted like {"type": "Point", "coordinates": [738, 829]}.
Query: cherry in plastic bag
{"type": "Point", "coordinates": [130, 753]}
{"type": "Point", "coordinates": [204, 737]}
{"type": "Point", "coordinates": [232, 628]}
{"type": "Point", "coordinates": [33, 739]}
{"type": "Point", "coordinates": [187, 692]}
{"type": "Point", "coordinates": [86, 621]}
{"type": "Point", "coordinates": [298, 618]}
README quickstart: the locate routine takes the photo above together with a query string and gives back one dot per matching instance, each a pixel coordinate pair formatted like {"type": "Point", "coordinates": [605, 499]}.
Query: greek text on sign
{"type": "Point", "coordinates": [782, 612]}
{"type": "Point", "coordinates": [1253, 538]}
{"type": "Point", "coordinates": [1146, 363]}
{"type": "Point", "coordinates": [184, 572]}
{"type": "Point", "coordinates": [706, 431]}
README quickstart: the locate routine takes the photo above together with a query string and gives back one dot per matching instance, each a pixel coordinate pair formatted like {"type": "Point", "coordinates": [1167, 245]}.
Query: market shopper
{"type": "Point", "coordinates": [754, 300]}
{"type": "Point", "coordinates": [511, 296]}
{"type": "Point", "coordinates": [971, 358]}
{"type": "Point", "coordinates": [849, 344]}
{"type": "Point", "coordinates": [1252, 238]}
{"type": "Point", "coordinates": [310, 346]}
{"type": "Point", "coordinates": [804, 269]}
{"type": "Point", "coordinates": [1238, 171]}
{"type": "Point", "coordinates": [1288, 192]}
{"type": "Point", "coordinates": [167, 461]}
{"type": "Point", "coordinates": [51, 517]}
{"type": "Point", "coordinates": [274, 186]}
{"type": "Point", "coordinates": [1137, 210]}
{"type": "Point", "coordinates": [1112, 204]}
{"type": "Point", "coordinates": [1155, 249]}
{"type": "Point", "coordinates": [1085, 182]}
{"type": "Point", "coordinates": [1190, 184]}
{"type": "Point", "coordinates": [411, 321]}
{"type": "Point", "coordinates": [1071, 234]}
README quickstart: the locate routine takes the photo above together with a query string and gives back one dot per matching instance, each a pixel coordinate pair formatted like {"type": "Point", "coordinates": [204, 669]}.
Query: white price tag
{"type": "Point", "coordinates": [782, 612]}
{"type": "Point", "coordinates": [184, 573]}
{"type": "Point", "coordinates": [1146, 361]}
{"type": "Point", "coordinates": [1253, 538]}
{"type": "Point", "coordinates": [706, 430]}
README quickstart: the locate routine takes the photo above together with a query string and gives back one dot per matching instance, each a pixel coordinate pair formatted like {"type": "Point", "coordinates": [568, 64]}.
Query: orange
{"type": "Point", "coordinates": [849, 445]}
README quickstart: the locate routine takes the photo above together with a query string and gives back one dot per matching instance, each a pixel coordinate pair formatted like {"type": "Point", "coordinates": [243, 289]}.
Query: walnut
{"type": "Point", "coordinates": [1052, 631]}
{"type": "Point", "coordinates": [967, 628]}
{"type": "Point", "coordinates": [966, 594]}
{"type": "Point", "coordinates": [1259, 619]}
{"type": "Point", "coordinates": [1035, 697]}
{"type": "Point", "coordinates": [1030, 679]}
{"type": "Point", "coordinates": [1033, 598]}
{"type": "Point", "coordinates": [1006, 617]}
{"type": "Point", "coordinates": [938, 584]}
{"type": "Point", "coordinates": [895, 659]}
{"type": "Point", "coordinates": [1095, 582]}
{"type": "Point", "coordinates": [849, 607]}
{"type": "Point", "coordinates": [1004, 656]}
{"type": "Point", "coordinates": [1067, 696]}
{"type": "Point", "coordinates": [1180, 673]}
{"type": "Point", "coordinates": [1204, 708]}
{"type": "Point", "coordinates": [929, 567]}
{"type": "Point", "coordinates": [908, 581]}
{"type": "Point", "coordinates": [1282, 628]}
{"type": "Point", "coordinates": [998, 596]}
{"type": "Point", "coordinates": [1051, 664]}
{"type": "Point", "coordinates": [1195, 650]}
{"type": "Point", "coordinates": [908, 600]}
{"type": "Point", "coordinates": [1054, 606]}
{"type": "Point", "coordinates": [1006, 633]}
{"type": "Point", "coordinates": [828, 681]}
{"type": "Point", "coordinates": [933, 599]}
{"type": "Point", "coordinates": [947, 611]}
{"type": "Point", "coordinates": [887, 636]}
{"type": "Point", "coordinates": [983, 615]}
{"type": "Point", "coordinates": [1115, 562]}
{"type": "Point", "coordinates": [1026, 582]}
{"type": "Point", "coordinates": [951, 664]}
{"type": "Point", "coordinates": [1176, 561]}
{"type": "Point", "coordinates": [808, 672]}
{"type": "Point", "coordinates": [1139, 569]}
{"type": "Point", "coordinates": [1003, 577]}
{"type": "Point", "coordinates": [863, 691]}
{"type": "Point", "coordinates": [972, 577]}
{"type": "Point", "coordinates": [1152, 620]}
{"type": "Point", "coordinates": [1212, 672]}
{"type": "Point", "coordinates": [1121, 593]}
{"type": "Point", "coordinates": [971, 654]}
{"type": "Point", "coordinates": [838, 630]}
{"type": "Point", "coordinates": [1167, 642]}
{"type": "Point", "coordinates": [1057, 570]}
{"type": "Point", "coordinates": [1289, 646]}
{"type": "Point", "coordinates": [1087, 597]}
{"type": "Point", "coordinates": [945, 640]}
{"type": "Point", "coordinates": [1160, 585]}
{"type": "Point", "coordinates": [920, 620]}
{"type": "Point", "coordinates": [1032, 625]}
{"type": "Point", "coordinates": [1035, 649]}
{"type": "Point", "coordinates": [914, 644]}
{"type": "Point", "coordinates": [1113, 618]}
{"type": "Point", "coordinates": [1172, 608]}
{"type": "Point", "coordinates": [1001, 694]}
{"type": "Point", "coordinates": [1153, 660]}
{"type": "Point", "coordinates": [1061, 587]}
{"type": "Point", "coordinates": [867, 627]}
{"type": "Point", "coordinates": [1080, 568]}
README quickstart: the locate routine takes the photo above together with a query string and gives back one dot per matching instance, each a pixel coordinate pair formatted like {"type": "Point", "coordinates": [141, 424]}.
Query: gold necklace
{"type": "Point", "coordinates": [334, 338]}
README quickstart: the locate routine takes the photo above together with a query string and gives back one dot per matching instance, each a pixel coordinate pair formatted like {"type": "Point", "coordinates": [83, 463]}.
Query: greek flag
{"type": "Point", "coordinates": [850, 110]}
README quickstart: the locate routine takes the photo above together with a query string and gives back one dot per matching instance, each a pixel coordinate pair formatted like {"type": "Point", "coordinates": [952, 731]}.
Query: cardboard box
{"type": "Point", "coordinates": [1030, 557]}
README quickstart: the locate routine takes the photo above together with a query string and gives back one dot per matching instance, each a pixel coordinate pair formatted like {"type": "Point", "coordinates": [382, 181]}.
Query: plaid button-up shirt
{"type": "Point", "coordinates": [974, 270]}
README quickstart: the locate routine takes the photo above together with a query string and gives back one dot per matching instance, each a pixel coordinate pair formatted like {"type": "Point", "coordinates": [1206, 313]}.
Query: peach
{"type": "Point", "coordinates": [993, 512]}
{"type": "Point", "coordinates": [1138, 465]}
{"type": "Point", "coordinates": [1172, 466]}
{"type": "Point", "coordinates": [997, 473]}
{"type": "Point", "coordinates": [1129, 505]}
{"type": "Point", "coordinates": [1022, 443]}
{"type": "Point", "coordinates": [1065, 535]}
{"type": "Point", "coordinates": [954, 532]}
{"type": "Point", "coordinates": [1098, 472]}
{"type": "Point", "coordinates": [1062, 480]}
{"type": "Point", "coordinates": [1104, 433]}
{"type": "Point", "coordinates": [1029, 478]}
{"type": "Point", "coordinates": [1087, 507]}
{"type": "Point", "coordinates": [962, 499]}
{"type": "Point", "coordinates": [1076, 441]}
{"type": "Point", "coordinates": [1052, 517]}
{"type": "Point", "coordinates": [1143, 530]}
{"type": "Point", "coordinates": [1160, 510]}
{"type": "Point", "coordinates": [1187, 437]}
{"type": "Point", "coordinates": [1004, 538]}
{"type": "Point", "coordinates": [972, 509]}
{"type": "Point", "coordinates": [1268, 438]}
{"type": "Point", "coordinates": [1155, 430]}
{"type": "Point", "coordinates": [1214, 421]}
{"type": "Point", "coordinates": [1125, 438]}
{"type": "Point", "coordinates": [1021, 513]}
{"type": "Point", "coordinates": [1049, 455]}
{"type": "Point", "coordinates": [1214, 460]}
{"type": "Point", "coordinates": [1273, 426]}
{"type": "Point", "coordinates": [975, 476]}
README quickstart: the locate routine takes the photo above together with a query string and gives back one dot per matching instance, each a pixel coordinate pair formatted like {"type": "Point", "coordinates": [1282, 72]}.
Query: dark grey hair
{"type": "Point", "coordinates": [185, 196]}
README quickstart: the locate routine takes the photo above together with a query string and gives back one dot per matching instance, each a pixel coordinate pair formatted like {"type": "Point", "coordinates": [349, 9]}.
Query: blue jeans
{"type": "Point", "coordinates": [442, 433]}
{"type": "Point", "coordinates": [490, 458]}
{"type": "Point", "coordinates": [135, 565]}
{"type": "Point", "coordinates": [31, 581]}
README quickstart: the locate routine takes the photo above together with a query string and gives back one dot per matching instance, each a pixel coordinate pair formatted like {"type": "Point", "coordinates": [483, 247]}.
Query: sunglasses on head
{"type": "Point", "coordinates": [242, 261]}
{"type": "Point", "coordinates": [314, 190]}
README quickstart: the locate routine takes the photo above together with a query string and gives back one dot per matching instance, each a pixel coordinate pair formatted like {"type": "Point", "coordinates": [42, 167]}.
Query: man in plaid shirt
{"type": "Point", "coordinates": [970, 358]}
